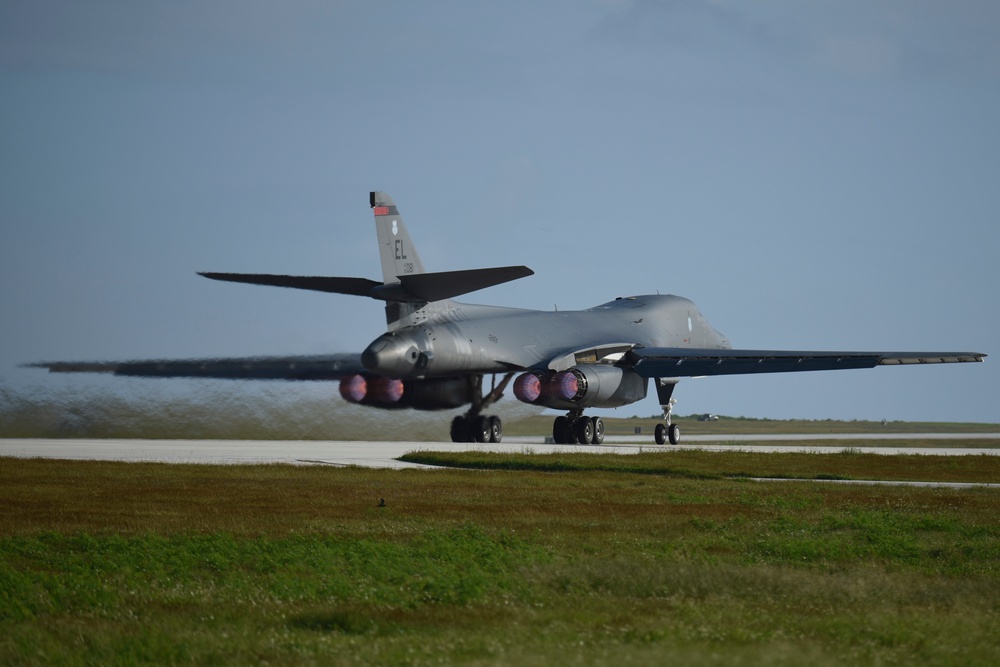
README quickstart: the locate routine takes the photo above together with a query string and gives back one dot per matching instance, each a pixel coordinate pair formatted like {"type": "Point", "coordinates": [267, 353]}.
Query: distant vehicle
{"type": "Point", "coordinates": [436, 351]}
{"type": "Point", "coordinates": [708, 418]}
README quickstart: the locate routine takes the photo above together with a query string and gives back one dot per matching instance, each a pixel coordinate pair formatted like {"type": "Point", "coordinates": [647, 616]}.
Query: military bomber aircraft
{"type": "Point", "coordinates": [437, 351]}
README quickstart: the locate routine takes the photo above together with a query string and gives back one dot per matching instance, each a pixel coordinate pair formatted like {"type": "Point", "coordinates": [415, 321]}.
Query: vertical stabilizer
{"type": "Point", "coordinates": [399, 257]}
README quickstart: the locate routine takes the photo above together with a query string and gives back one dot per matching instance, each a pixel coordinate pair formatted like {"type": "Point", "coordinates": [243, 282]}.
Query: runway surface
{"type": "Point", "coordinates": [384, 454]}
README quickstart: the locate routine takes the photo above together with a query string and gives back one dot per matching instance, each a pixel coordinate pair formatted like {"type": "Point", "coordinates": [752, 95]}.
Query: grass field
{"type": "Point", "coordinates": [104, 563]}
{"type": "Point", "coordinates": [849, 464]}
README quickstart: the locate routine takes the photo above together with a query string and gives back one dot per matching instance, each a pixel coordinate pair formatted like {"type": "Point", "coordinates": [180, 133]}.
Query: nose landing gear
{"type": "Point", "coordinates": [666, 431]}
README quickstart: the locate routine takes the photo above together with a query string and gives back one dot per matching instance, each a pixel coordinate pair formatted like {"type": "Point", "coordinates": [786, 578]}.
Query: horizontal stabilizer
{"type": "Point", "coordinates": [447, 284]}
{"type": "Point", "coordinates": [415, 287]}
{"type": "Point", "coordinates": [687, 362]}
{"type": "Point", "coordinates": [355, 286]}
{"type": "Point", "coordinates": [317, 367]}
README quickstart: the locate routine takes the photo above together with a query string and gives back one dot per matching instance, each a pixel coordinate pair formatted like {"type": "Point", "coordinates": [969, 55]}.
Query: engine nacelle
{"type": "Point", "coordinates": [376, 391]}
{"type": "Point", "coordinates": [598, 386]}
{"type": "Point", "coordinates": [438, 393]}
{"type": "Point", "coordinates": [391, 394]}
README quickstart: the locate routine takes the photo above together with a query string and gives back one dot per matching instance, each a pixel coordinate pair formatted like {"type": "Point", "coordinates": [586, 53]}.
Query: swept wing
{"type": "Point", "coordinates": [313, 367]}
{"type": "Point", "coordinates": [663, 362]}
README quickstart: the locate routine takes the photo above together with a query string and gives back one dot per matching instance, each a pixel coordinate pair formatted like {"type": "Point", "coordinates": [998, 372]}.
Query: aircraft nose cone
{"type": "Point", "coordinates": [390, 356]}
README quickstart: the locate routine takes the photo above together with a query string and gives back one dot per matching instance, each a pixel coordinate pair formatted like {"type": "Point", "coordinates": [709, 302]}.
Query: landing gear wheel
{"type": "Point", "coordinates": [482, 430]}
{"type": "Point", "coordinates": [562, 433]}
{"type": "Point", "coordinates": [496, 429]}
{"type": "Point", "coordinates": [598, 436]}
{"type": "Point", "coordinates": [584, 430]}
{"type": "Point", "coordinates": [460, 429]}
{"type": "Point", "coordinates": [666, 433]}
{"type": "Point", "coordinates": [473, 426]}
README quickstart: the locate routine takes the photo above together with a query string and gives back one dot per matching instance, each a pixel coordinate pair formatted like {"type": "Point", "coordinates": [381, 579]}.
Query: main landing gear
{"type": "Point", "coordinates": [476, 429]}
{"type": "Point", "coordinates": [576, 428]}
{"type": "Point", "coordinates": [474, 426]}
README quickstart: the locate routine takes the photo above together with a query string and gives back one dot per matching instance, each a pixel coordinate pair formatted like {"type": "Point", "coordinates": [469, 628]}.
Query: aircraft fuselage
{"type": "Point", "coordinates": [463, 338]}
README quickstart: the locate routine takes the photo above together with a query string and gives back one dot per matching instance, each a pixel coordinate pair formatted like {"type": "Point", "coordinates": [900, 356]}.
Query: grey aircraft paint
{"type": "Point", "coordinates": [436, 351]}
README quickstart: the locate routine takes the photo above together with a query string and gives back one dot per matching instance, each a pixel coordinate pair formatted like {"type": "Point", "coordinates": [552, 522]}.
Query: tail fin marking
{"type": "Point", "coordinates": [399, 256]}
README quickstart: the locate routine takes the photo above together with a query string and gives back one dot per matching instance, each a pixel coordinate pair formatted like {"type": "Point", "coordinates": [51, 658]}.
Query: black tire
{"type": "Point", "coordinates": [460, 429]}
{"type": "Point", "coordinates": [584, 430]}
{"type": "Point", "coordinates": [674, 434]}
{"type": "Point", "coordinates": [496, 429]}
{"type": "Point", "coordinates": [482, 429]}
{"type": "Point", "coordinates": [598, 437]}
{"type": "Point", "coordinates": [560, 430]}
{"type": "Point", "coordinates": [660, 434]}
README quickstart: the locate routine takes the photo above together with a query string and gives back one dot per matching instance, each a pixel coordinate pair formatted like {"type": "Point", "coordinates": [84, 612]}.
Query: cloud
{"type": "Point", "coordinates": [672, 24]}
{"type": "Point", "coordinates": [851, 40]}
{"type": "Point", "coordinates": [857, 56]}
{"type": "Point", "coordinates": [181, 40]}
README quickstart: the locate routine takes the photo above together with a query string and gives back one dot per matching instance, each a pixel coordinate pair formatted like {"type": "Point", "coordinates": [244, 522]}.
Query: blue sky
{"type": "Point", "coordinates": [813, 175]}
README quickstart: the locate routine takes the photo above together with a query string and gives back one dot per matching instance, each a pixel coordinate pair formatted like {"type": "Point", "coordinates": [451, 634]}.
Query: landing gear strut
{"type": "Point", "coordinates": [666, 431]}
{"type": "Point", "coordinates": [576, 428]}
{"type": "Point", "coordinates": [474, 426]}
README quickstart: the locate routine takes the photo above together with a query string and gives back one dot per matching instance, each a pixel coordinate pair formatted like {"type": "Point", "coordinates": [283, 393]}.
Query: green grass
{"type": "Point", "coordinates": [112, 563]}
{"type": "Point", "coordinates": [849, 464]}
